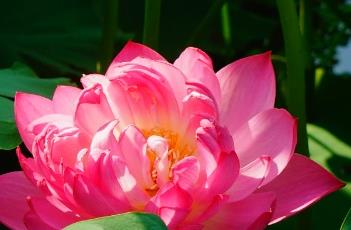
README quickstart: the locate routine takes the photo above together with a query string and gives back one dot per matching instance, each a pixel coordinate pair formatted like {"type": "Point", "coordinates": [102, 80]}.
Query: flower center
{"type": "Point", "coordinates": [178, 148]}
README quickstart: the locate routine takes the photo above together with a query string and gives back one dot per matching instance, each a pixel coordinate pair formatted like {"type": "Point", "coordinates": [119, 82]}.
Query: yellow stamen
{"type": "Point", "coordinates": [177, 150]}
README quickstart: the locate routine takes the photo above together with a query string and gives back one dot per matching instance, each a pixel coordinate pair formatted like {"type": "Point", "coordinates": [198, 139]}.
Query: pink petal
{"type": "Point", "coordinates": [302, 183]}
{"type": "Point", "coordinates": [33, 222]}
{"type": "Point", "coordinates": [172, 216]}
{"type": "Point", "coordinates": [69, 137]}
{"type": "Point", "coordinates": [203, 211]}
{"type": "Point", "coordinates": [248, 87]}
{"type": "Point", "coordinates": [51, 215]}
{"type": "Point", "coordinates": [29, 167]}
{"type": "Point", "coordinates": [228, 164]}
{"type": "Point", "coordinates": [137, 97]}
{"type": "Point", "coordinates": [207, 135]}
{"type": "Point", "coordinates": [186, 172]}
{"type": "Point", "coordinates": [132, 144]}
{"type": "Point", "coordinates": [156, 73]}
{"type": "Point", "coordinates": [102, 172]}
{"type": "Point", "coordinates": [105, 139]}
{"type": "Point", "coordinates": [119, 100]}
{"type": "Point", "coordinates": [270, 133]}
{"type": "Point", "coordinates": [190, 56]}
{"type": "Point", "coordinates": [197, 67]}
{"type": "Point", "coordinates": [65, 99]}
{"type": "Point", "coordinates": [69, 176]}
{"type": "Point", "coordinates": [103, 144]}
{"type": "Point", "coordinates": [250, 178]}
{"type": "Point", "coordinates": [132, 190]}
{"type": "Point", "coordinates": [254, 212]}
{"type": "Point", "coordinates": [33, 171]}
{"type": "Point", "coordinates": [197, 106]}
{"type": "Point", "coordinates": [63, 134]}
{"type": "Point", "coordinates": [89, 197]}
{"type": "Point", "coordinates": [215, 161]}
{"type": "Point", "coordinates": [116, 95]}
{"type": "Point", "coordinates": [151, 102]}
{"type": "Point", "coordinates": [191, 227]}
{"type": "Point", "coordinates": [208, 161]}
{"type": "Point", "coordinates": [90, 80]}
{"type": "Point", "coordinates": [59, 121]}
{"type": "Point", "coordinates": [15, 188]}
{"type": "Point", "coordinates": [172, 203]}
{"type": "Point", "coordinates": [172, 195]}
{"type": "Point", "coordinates": [174, 77]}
{"type": "Point", "coordinates": [158, 146]}
{"type": "Point", "coordinates": [132, 50]}
{"type": "Point", "coordinates": [147, 94]}
{"type": "Point", "coordinates": [93, 110]}
{"type": "Point", "coordinates": [29, 107]}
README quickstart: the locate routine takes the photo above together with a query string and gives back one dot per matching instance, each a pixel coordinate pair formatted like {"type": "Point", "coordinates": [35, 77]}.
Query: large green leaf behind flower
{"type": "Point", "coordinates": [19, 78]}
{"type": "Point", "coordinates": [132, 220]}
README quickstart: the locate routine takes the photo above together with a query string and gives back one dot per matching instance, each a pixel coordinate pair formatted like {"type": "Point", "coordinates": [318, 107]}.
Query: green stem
{"type": "Point", "coordinates": [306, 32]}
{"type": "Point", "coordinates": [226, 28]}
{"type": "Point", "coordinates": [303, 18]}
{"type": "Point", "coordinates": [151, 23]}
{"type": "Point", "coordinates": [295, 69]}
{"type": "Point", "coordinates": [108, 32]}
{"type": "Point", "coordinates": [296, 60]}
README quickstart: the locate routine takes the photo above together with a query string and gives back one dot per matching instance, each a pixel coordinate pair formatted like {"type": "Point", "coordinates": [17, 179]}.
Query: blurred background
{"type": "Point", "coordinates": [45, 43]}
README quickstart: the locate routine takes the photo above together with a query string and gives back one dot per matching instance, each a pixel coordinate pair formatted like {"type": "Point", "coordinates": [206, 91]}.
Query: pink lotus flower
{"type": "Point", "coordinates": [198, 148]}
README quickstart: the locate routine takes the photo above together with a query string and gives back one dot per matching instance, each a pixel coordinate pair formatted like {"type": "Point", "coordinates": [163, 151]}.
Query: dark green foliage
{"type": "Point", "coordinates": [20, 78]}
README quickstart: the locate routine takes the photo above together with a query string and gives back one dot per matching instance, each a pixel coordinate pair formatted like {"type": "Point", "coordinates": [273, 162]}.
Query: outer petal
{"type": "Point", "coordinates": [250, 178]}
{"type": "Point", "coordinates": [55, 217]}
{"type": "Point", "coordinates": [65, 99]}
{"type": "Point", "coordinates": [33, 222]}
{"type": "Point", "coordinates": [190, 56]}
{"type": "Point", "coordinates": [253, 212]}
{"type": "Point", "coordinates": [29, 107]}
{"type": "Point", "coordinates": [29, 167]}
{"type": "Point", "coordinates": [14, 190]}
{"type": "Point", "coordinates": [198, 69]}
{"type": "Point", "coordinates": [302, 183]}
{"type": "Point", "coordinates": [132, 50]}
{"type": "Point", "coordinates": [248, 87]}
{"type": "Point", "coordinates": [270, 133]}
